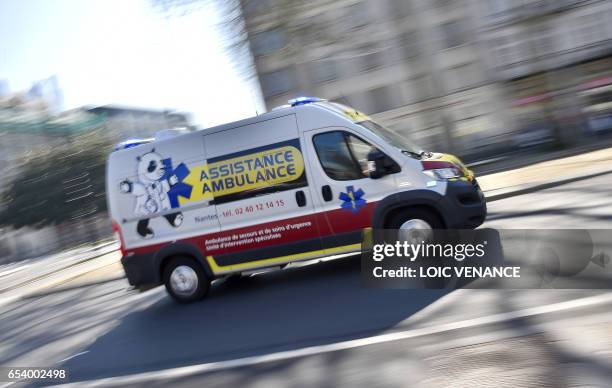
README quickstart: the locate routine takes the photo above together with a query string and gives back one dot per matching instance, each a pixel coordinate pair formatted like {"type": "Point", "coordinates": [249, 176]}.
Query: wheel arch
{"type": "Point", "coordinates": [166, 253]}
{"type": "Point", "coordinates": [397, 202]}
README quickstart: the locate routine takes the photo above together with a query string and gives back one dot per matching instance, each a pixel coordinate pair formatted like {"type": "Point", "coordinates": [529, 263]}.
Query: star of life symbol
{"type": "Point", "coordinates": [352, 200]}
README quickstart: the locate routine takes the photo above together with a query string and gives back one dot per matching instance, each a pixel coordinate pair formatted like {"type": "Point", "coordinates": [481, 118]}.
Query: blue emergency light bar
{"type": "Point", "coordinates": [304, 100]}
{"type": "Point", "coordinates": [131, 143]}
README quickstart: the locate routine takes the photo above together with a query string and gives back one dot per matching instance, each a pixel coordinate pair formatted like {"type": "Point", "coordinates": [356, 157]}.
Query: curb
{"type": "Point", "coordinates": [48, 284]}
{"type": "Point", "coordinates": [530, 188]}
{"type": "Point", "coordinates": [56, 290]}
{"type": "Point", "coordinates": [48, 274]}
{"type": "Point", "coordinates": [529, 158]}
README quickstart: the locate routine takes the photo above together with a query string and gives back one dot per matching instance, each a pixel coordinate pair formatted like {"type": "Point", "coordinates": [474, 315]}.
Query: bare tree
{"type": "Point", "coordinates": [230, 25]}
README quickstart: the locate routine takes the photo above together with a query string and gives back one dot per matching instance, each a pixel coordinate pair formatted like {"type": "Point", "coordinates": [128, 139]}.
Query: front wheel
{"type": "Point", "coordinates": [417, 226]}
{"type": "Point", "coordinates": [185, 280]}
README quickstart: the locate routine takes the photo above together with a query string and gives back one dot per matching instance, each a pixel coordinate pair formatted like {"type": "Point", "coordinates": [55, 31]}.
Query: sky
{"type": "Point", "coordinates": [127, 53]}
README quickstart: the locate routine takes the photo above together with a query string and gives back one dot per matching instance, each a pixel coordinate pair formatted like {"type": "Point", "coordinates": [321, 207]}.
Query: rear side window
{"type": "Point", "coordinates": [343, 156]}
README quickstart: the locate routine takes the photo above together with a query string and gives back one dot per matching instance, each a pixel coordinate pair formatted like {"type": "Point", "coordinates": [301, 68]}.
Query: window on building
{"type": "Point", "coordinates": [323, 70]}
{"type": "Point", "coordinates": [408, 43]}
{"type": "Point", "coordinates": [267, 42]}
{"type": "Point", "coordinates": [508, 49]}
{"type": "Point", "coordinates": [277, 82]}
{"type": "Point", "coordinates": [252, 7]}
{"type": "Point", "coordinates": [504, 56]}
{"type": "Point", "coordinates": [460, 77]}
{"type": "Point", "coordinates": [370, 58]}
{"type": "Point", "coordinates": [357, 15]}
{"type": "Point", "coordinates": [543, 42]}
{"type": "Point", "coordinates": [316, 31]}
{"type": "Point", "coordinates": [384, 98]}
{"type": "Point", "coordinates": [453, 34]}
{"type": "Point", "coordinates": [399, 8]}
{"type": "Point", "coordinates": [421, 88]}
{"type": "Point", "coordinates": [342, 155]}
{"type": "Point", "coordinates": [590, 29]}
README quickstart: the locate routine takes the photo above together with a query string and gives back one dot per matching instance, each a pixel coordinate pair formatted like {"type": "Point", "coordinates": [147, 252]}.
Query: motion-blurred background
{"type": "Point", "coordinates": [475, 77]}
{"type": "Point", "coordinates": [485, 79]}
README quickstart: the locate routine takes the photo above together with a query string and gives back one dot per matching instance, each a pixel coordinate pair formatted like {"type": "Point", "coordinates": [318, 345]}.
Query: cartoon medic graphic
{"type": "Point", "coordinates": [157, 187]}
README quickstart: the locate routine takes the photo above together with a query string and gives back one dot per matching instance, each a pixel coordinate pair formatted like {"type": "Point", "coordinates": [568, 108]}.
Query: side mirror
{"type": "Point", "coordinates": [379, 165]}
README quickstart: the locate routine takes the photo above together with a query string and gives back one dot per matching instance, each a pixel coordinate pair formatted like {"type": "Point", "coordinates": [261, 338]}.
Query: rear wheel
{"type": "Point", "coordinates": [185, 280]}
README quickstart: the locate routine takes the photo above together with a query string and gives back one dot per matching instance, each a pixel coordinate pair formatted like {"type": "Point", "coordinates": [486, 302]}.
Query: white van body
{"type": "Point", "coordinates": [292, 184]}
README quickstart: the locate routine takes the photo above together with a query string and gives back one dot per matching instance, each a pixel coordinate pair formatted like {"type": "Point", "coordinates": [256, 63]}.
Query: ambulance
{"type": "Point", "coordinates": [301, 182]}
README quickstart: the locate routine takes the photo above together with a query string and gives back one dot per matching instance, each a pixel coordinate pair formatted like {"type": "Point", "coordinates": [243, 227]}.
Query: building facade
{"type": "Point", "coordinates": [554, 61]}
{"type": "Point", "coordinates": [127, 122]}
{"type": "Point", "coordinates": [427, 68]}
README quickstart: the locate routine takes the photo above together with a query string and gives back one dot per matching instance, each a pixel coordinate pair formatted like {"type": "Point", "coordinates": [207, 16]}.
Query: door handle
{"type": "Point", "coordinates": [326, 191]}
{"type": "Point", "coordinates": [300, 198]}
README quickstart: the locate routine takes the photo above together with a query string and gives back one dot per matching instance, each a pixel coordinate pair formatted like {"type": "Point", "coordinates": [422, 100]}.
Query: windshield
{"type": "Point", "coordinates": [392, 137]}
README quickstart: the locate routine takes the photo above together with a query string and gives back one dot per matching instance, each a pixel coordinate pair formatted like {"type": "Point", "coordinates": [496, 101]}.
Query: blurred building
{"type": "Point", "coordinates": [27, 123]}
{"type": "Point", "coordinates": [439, 70]}
{"type": "Point", "coordinates": [127, 122]}
{"type": "Point", "coordinates": [554, 61]}
{"type": "Point", "coordinates": [48, 89]}
{"type": "Point", "coordinates": [415, 65]}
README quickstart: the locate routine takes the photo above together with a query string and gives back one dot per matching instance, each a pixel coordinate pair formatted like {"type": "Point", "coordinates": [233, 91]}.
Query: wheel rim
{"type": "Point", "coordinates": [184, 280]}
{"type": "Point", "coordinates": [415, 231]}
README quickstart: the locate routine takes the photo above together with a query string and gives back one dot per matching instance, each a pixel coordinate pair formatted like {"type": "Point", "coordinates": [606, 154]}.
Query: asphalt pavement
{"type": "Point", "coordinates": [443, 338]}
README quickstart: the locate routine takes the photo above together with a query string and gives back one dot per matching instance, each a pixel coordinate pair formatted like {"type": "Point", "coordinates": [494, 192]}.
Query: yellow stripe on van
{"type": "Point", "coordinates": [244, 173]}
{"type": "Point", "coordinates": [218, 269]}
{"type": "Point", "coordinates": [356, 116]}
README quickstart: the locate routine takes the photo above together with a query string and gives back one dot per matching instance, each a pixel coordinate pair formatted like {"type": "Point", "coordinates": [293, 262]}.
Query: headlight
{"type": "Point", "coordinates": [444, 173]}
{"type": "Point", "coordinates": [441, 170]}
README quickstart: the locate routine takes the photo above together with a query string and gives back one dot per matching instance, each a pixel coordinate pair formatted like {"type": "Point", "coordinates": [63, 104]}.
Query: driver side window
{"type": "Point", "coordinates": [342, 155]}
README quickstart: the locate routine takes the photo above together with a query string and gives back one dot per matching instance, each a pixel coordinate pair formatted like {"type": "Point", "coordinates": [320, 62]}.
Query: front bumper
{"type": "Point", "coordinates": [464, 205]}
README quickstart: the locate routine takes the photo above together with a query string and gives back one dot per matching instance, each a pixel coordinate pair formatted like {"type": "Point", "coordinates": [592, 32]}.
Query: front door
{"type": "Point", "coordinates": [344, 195]}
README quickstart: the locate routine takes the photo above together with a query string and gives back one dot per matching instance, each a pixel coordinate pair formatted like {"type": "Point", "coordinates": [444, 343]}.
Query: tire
{"type": "Point", "coordinates": [185, 280]}
{"type": "Point", "coordinates": [432, 220]}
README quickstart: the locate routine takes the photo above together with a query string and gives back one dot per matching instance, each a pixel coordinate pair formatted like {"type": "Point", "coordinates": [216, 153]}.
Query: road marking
{"type": "Point", "coordinates": [345, 345]}
{"type": "Point", "coordinates": [73, 356]}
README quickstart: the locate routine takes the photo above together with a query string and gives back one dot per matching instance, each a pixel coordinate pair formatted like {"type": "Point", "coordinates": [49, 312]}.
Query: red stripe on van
{"type": "Point", "coordinates": [290, 229]}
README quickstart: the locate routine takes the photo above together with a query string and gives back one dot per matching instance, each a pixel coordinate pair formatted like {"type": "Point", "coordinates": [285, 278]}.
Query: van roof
{"type": "Point", "coordinates": [274, 113]}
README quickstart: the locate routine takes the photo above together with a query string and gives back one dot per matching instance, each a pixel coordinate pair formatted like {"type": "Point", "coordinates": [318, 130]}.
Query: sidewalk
{"type": "Point", "coordinates": [71, 268]}
{"type": "Point", "coordinates": [17, 274]}
{"type": "Point", "coordinates": [545, 174]}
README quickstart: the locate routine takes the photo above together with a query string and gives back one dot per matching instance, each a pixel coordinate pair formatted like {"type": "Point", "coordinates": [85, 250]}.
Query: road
{"type": "Point", "coordinates": [443, 338]}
